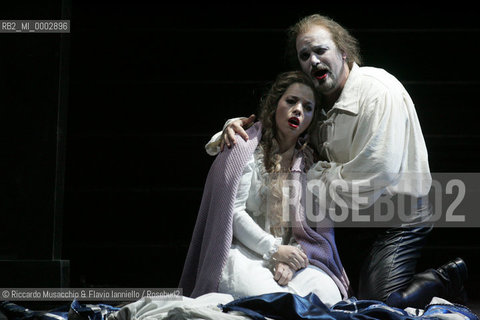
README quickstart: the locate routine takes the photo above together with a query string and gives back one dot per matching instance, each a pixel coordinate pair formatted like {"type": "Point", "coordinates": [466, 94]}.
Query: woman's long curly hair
{"type": "Point", "coordinates": [269, 148]}
{"type": "Point", "coordinates": [268, 108]}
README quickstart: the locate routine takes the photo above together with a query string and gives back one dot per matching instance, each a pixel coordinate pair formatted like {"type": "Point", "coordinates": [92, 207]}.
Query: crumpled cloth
{"type": "Point", "coordinates": [292, 307]}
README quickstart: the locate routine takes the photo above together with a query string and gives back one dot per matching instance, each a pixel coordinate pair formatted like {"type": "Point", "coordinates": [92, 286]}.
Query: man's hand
{"type": "Point", "coordinates": [237, 126]}
{"type": "Point", "coordinates": [292, 256]}
{"type": "Point", "coordinates": [283, 273]}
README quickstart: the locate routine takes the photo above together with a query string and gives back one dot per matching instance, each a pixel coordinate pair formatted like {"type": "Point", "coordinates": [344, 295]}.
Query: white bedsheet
{"type": "Point", "coordinates": [203, 307]}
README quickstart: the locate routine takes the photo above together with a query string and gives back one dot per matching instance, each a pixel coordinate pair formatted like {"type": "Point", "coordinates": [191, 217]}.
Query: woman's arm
{"type": "Point", "coordinates": [245, 229]}
{"type": "Point", "coordinates": [250, 234]}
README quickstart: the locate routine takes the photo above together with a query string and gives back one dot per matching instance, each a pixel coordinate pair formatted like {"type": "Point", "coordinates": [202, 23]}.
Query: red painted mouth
{"type": "Point", "coordinates": [293, 122]}
{"type": "Point", "coordinates": [320, 74]}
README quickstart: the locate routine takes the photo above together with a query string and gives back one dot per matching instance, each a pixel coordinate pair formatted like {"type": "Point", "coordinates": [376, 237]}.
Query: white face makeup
{"type": "Point", "coordinates": [321, 59]}
{"type": "Point", "coordinates": [295, 111]}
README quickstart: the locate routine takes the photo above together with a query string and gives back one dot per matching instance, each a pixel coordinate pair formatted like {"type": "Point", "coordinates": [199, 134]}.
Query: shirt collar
{"type": "Point", "coordinates": [348, 100]}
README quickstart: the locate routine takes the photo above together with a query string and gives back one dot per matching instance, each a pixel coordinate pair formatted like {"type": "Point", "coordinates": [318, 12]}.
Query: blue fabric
{"type": "Point", "coordinates": [75, 309]}
{"type": "Point", "coordinates": [432, 310]}
{"type": "Point", "coordinates": [91, 311]}
{"type": "Point", "coordinates": [289, 306]}
{"type": "Point", "coordinates": [280, 306]}
{"type": "Point", "coordinates": [274, 305]}
{"type": "Point", "coordinates": [15, 312]}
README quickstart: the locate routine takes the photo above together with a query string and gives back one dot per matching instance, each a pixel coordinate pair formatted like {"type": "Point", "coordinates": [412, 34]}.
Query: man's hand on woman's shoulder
{"type": "Point", "coordinates": [237, 126]}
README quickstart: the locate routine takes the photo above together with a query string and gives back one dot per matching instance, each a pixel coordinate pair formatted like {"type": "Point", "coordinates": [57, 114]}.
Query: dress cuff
{"type": "Point", "coordinates": [213, 146]}
{"type": "Point", "coordinates": [268, 256]}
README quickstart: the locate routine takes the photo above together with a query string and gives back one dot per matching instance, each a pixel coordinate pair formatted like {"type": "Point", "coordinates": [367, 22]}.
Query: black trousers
{"type": "Point", "coordinates": [391, 262]}
{"type": "Point", "coordinates": [392, 253]}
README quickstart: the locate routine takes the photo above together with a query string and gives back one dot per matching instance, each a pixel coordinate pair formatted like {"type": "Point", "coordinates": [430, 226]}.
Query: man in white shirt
{"type": "Point", "coordinates": [371, 142]}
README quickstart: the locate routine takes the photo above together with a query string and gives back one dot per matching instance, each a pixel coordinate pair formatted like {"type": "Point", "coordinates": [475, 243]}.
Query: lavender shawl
{"type": "Point", "coordinates": [213, 232]}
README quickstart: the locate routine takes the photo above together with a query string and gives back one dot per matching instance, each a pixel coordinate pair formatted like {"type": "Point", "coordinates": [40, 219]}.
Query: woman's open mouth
{"type": "Point", "coordinates": [294, 122]}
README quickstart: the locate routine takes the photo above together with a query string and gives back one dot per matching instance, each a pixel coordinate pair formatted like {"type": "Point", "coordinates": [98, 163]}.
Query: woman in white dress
{"type": "Point", "coordinates": [266, 252]}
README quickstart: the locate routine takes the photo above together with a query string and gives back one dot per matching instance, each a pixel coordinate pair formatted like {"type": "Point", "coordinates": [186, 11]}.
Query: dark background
{"type": "Point", "coordinates": [103, 129]}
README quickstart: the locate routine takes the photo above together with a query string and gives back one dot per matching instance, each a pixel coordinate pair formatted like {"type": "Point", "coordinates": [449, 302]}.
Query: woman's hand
{"type": "Point", "coordinates": [237, 126]}
{"type": "Point", "coordinates": [292, 256]}
{"type": "Point", "coordinates": [283, 273]}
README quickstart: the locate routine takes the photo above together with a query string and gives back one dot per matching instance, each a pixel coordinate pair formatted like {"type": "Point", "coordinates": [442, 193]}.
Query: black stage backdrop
{"type": "Point", "coordinates": [103, 129]}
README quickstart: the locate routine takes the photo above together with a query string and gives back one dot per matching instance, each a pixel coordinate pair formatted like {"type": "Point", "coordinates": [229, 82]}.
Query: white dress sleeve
{"type": "Point", "coordinates": [245, 229]}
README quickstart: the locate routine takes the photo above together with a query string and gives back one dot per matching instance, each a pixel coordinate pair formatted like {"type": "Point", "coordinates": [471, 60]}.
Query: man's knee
{"type": "Point", "coordinates": [391, 263]}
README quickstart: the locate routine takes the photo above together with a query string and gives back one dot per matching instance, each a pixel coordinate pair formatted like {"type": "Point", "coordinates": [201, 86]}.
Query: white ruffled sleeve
{"type": "Point", "coordinates": [245, 229]}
